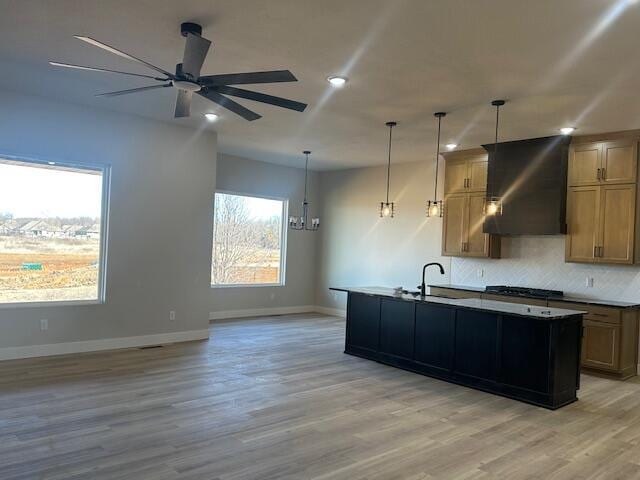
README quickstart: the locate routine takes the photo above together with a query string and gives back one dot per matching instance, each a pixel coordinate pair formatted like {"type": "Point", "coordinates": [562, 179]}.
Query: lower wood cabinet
{"type": "Point", "coordinates": [363, 329]}
{"type": "Point", "coordinates": [600, 345]}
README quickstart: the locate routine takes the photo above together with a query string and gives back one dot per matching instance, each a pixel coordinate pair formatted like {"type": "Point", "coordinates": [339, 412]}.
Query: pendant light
{"type": "Point", "coordinates": [435, 207]}
{"type": "Point", "coordinates": [387, 208]}
{"type": "Point", "coordinates": [493, 205]}
{"type": "Point", "coordinates": [302, 222]}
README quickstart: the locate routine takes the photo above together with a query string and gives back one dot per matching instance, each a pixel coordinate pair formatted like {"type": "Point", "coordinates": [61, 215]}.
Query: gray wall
{"type": "Point", "coordinates": [242, 175]}
{"type": "Point", "coordinates": [159, 243]}
{"type": "Point", "coordinates": [358, 248]}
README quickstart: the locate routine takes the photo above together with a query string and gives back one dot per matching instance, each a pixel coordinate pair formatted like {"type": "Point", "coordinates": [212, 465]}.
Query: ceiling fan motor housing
{"type": "Point", "coordinates": [189, 27]}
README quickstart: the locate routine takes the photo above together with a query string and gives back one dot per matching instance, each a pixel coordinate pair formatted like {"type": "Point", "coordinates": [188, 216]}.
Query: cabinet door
{"type": "Point", "coordinates": [477, 241]}
{"type": "Point", "coordinates": [476, 344]}
{"type": "Point", "coordinates": [583, 208]}
{"type": "Point", "coordinates": [600, 345]}
{"type": "Point", "coordinates": [397, 319]}
{"type": "Point", "coordinates": [455, 176]}
{"type": "Point", "coordinates": [477, 174]}
{"type": "Point", "coordinates": [435, 334]}
{"type": "Point", "coordinates": [617, 219]}
{"type": "Point", "coordinates": [453, 226]}
{"type": "Point", "coordinates": [619, 162]}
{"type": "Point", "coordinates": [363, 321]}
{"type": "Point", "coordinates": [584, 163]}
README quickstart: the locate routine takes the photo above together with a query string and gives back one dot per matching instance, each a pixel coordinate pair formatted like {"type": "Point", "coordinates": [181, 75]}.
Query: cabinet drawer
{"type": "Point", "coordinates": [594, 312]}
{"type": "Point", "coordinates": [520, 300]}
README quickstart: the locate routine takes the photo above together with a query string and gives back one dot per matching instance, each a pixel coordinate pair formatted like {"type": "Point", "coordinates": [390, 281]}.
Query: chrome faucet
{"type": "Point", "coordinates": [423, 287]}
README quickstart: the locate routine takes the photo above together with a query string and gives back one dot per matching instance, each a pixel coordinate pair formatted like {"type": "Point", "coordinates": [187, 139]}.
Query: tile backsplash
{"type": "Point", "coordinates": [538, 261]}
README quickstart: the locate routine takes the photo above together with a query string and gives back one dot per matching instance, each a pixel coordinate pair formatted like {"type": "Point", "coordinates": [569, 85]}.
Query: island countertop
{"type": "Point", "coordinates": [531, 311]}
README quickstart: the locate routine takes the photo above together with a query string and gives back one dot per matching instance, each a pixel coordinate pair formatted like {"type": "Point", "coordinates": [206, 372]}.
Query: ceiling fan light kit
{"type": "Point", "coordinates": [188, 81]}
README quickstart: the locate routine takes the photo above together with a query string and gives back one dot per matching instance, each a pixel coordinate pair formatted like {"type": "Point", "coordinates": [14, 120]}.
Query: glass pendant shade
{"type": "Point", "coordinates": [301, 222]}
{"type": "Point", "coordinates": [387, 207]}
{"type": "Point", "coordinates": [493, 206]}
{"type": "Point", "coordinates": [435, 208]}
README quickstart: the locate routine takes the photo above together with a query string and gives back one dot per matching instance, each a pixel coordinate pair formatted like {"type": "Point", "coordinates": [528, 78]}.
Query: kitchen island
{"type": "Point", "coordinates": [524, 352]}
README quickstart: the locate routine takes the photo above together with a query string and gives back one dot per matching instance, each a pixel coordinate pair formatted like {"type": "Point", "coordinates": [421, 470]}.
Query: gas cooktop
{"type": "Point", "coordinates": [523, 291]}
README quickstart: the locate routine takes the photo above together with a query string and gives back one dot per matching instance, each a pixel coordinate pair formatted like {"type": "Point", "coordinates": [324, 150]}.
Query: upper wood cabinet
{"type": "Point", "coordinates": [466, 172]}
{"type": "Point", "coordinates": [601, 224]}
{"type": "Point", "coordinates": [465, 191]}
{"type": "Point", "coordinates": [462, 233]}
{"type": "Point", "coordinates": [598, 163]}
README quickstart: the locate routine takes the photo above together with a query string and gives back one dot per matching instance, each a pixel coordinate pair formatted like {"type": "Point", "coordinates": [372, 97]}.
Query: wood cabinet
{"type": "Point", "coordinates": [613, 162]}
{"type": "Point", "coordinates": [462, 233]}
{"type": "Point", "coordinates": [465, 196]}
{"type": "Point", "coordinates": [601, 224]}
{"type": "Point", "coordinates": [466, 172]}
{"type": "Point", "coordinates": [610, 339]}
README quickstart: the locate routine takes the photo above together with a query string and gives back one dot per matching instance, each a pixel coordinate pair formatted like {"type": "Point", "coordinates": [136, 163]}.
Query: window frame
{"type": "Point", "coordinates": [105, 170]}
{"type": "Point", "coordinates": [283, 239]}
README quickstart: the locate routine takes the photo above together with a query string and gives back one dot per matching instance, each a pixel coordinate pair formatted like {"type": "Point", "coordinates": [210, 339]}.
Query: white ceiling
{"type": "Point", "coordinates": [569, 62]}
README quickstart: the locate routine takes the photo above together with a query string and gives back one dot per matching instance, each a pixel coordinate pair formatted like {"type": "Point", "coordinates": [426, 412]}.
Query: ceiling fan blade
{"type": "Point", "coordinates": [108, 48]}
{"type": "Point", "coordinates": [132, 90]}
{"type": "Point", "coordinates": [261, 97]}
{"type": "Point", "coordinates": [183, 104]}
{"type": "Point", "coordinates": [229, 104]}
{"type": "Point", "coordinates": [249, 77]}
{"type": "Point", "coordinates": [105, 70]}
{"type": "Point", "coordinates": [195, 51]}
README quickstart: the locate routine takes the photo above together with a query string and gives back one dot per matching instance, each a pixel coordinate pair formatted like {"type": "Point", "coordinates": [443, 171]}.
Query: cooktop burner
{"type": "Point", "coordinates": [523, 291]}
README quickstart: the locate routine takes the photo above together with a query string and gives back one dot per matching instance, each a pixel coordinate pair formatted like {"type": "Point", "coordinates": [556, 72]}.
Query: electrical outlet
{"type": "Point", "coordinates": [172, 315]}
{"type": "Point", "coordinates": [272, 295]}
{"type": "Point", "coordinates": [44, 324]}
{"type": "Point", "coordinates": [589, 282]}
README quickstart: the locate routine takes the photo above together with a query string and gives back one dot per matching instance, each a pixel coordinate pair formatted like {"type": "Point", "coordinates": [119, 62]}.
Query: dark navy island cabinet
{"type": "Point", "coordinates": [528, 358]}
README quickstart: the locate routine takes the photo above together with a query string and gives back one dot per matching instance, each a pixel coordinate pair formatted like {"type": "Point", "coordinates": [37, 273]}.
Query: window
{"type": "Point", "coordinates": [248, 240]}
{"type": "Point", "coordinates": [51, 232]}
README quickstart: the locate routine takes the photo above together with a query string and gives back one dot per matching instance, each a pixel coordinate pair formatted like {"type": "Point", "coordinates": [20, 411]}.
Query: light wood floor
{"type": "Point", "coordinates": [275, 398]}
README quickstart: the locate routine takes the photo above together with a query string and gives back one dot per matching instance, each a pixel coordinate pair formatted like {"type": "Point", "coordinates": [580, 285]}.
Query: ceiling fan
{"type": "Point", "coordinates": [187, 79]}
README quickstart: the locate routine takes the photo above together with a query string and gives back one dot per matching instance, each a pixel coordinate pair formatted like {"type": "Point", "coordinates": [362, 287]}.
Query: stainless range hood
{"type": "Point", "coordinates": [530, 179]}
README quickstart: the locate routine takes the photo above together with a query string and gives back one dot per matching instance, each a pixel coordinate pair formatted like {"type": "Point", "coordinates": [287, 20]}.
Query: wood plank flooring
{"type": "Point", "coordinates": [275, 398]}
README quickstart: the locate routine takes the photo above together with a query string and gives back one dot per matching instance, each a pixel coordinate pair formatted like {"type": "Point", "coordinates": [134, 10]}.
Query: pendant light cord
{"type": "Point", "coordinates": [435, 188]}
{"type": "Point", "coordinates": [495, 146]}
{"type": "Point", "coordinates": [306, 168]}
{"type": "Point", "coordinates": [389, 162]}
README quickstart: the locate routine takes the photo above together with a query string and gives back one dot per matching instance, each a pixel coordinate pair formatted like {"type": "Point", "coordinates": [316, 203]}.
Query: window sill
{"type": "Point", "coordinates": [51, 303]}
{"type": "Point", "coordinates": [248, 285]}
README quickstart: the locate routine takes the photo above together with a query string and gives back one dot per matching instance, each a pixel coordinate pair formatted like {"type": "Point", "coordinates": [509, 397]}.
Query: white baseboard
{"type": "Point", "coordinates": [261, 312]}
{"type": "Point", "coordinates": [334, 312]}
{"type": "Point", "coordinates": [266, 312]}
{"type": "Point", "coordinates": [12, 353]}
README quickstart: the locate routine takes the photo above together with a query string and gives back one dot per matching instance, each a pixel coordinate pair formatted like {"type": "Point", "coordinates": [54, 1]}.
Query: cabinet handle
{"type": "Point", "coordinates": [604, 174]}
{"type": "Point", "coordinates": [599, 174]}
{"type": "Point", "coordinates": [595, 251]}
{"type": "Point", "coordinates": [601, 251]}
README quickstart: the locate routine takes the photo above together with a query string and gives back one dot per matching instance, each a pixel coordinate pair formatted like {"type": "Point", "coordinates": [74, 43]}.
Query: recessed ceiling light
{"type": "Point", "coordinates": [451, 146]}
{"type": "Point", "coordinates": [337, 81]}
{"type": "Point", "coordinates": [212, 117]}
{"type": "Point", "coordinates": [51, 163]}
{"type": "Point", "coordinates": [567, 130]}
